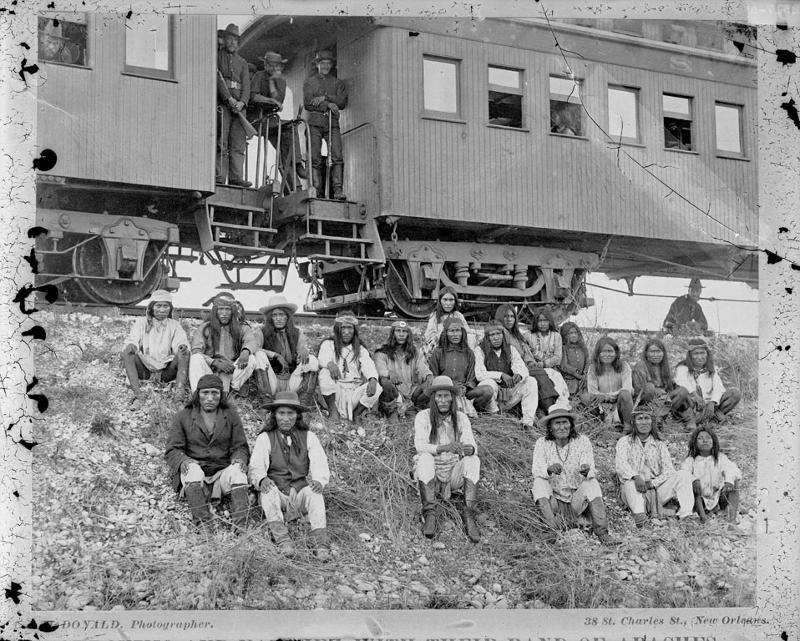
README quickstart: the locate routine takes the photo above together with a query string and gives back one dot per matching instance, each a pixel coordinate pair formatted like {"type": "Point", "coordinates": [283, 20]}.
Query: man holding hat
{"type": "Point", "coordinates": [207, 453]}
{"type": "Point", "coordinates": [564, 476]}
{"type": "Point", "coordinates": [685, 313]}
{"type": "Point", "coordinates": [289, 469]}
{"type": "Point", "coordinates": [233, 94]}
{"type": "Point", "coordinates": [324, 94]}
{"type": "Point", "coordinates": [403, 372]}
{"type": "Point", "coordinates": [157, 347]}
{"type": "Point", "coordinates": [226, 345]}
{"type": "Point", "coordinates": [268, 91]}
{"type": "Point", "coordinates": [290, 364]}
{"type": "Point", "coordinates": [499, 365]}
{"type": "Point", "coordinates": [447, 457]}
{"type": "Point", "coordinates": [348, 379]}
{"type": "Point", "coordinates": [708, 397]}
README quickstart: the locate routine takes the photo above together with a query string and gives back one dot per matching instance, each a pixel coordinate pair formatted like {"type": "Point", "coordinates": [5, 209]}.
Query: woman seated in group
{"type": "Point", "coordinates": [653, 382]}
{"type": "Point", "coordinates": [546, 349]}
{"type": "Point", "coordinates": [446, 307]}
{"type": "Point", "coordinates": [454, 358]}
{"type": "Point", "coordinates": [499, 366]}
{"type": "Point", "coordinates": [647, 476]}
{"type": "Point", "coordinates": [403, 373]}
{"type": "Point", "coordinates": [517, 338]}
{"type": "Point", "coordinates": [608, 383]}
{"type": "Point", "coordinates": [708, 397]}
{"type": "Point", "coordinates": [447, 456]}
{"type": "Point", "coordinates": [714, 476]}
{"type": "Point", "coordinates": [574, 358]}
{"type": "Point", "coordinates": [564, 476]}
{"type": "Point", "coordinates": [348, 380]}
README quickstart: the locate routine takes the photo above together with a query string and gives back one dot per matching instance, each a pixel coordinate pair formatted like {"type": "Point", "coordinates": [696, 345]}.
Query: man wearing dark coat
{"type": "Point", "coordinates": [233, 94]}
{"type": "Point", "coordinates": [324, 94]}
{"type": "Point", "coordinates": [685, 313]}
{"type": "Point", "coordinates": [207, 453]}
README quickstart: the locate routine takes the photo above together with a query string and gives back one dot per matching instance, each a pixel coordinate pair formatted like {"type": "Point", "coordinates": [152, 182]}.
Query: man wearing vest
{"type": "Point", "coordinates": [289, 469]}
{"type": "Point", "coordinates": [233, 94]}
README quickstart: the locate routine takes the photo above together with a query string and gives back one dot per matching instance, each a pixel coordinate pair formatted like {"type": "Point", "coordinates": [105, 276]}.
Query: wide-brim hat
{"type": "Point", "coordinates": [325, 54]}
{"type": "Point", "coordinates": [286, 399]}
{"type": "Point", "coordinates": [161, 296]}
{"type": "Point", "coordinates": [231, 30]}
{"type": "Point", "coordinates": [278, 302]}
{"type": "Point", "coordinates": [695, 283]}
{"type": "Point", "coordinates": [274, 56]}
{"type": "Point", "coordinates": [558, 413]}
{"type": "Point", "coordinates": [443, 383]}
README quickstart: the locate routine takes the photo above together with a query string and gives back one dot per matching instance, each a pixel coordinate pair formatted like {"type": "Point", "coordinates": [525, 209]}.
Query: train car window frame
{"type": "Point", "coordinates": [620, 137]}
{"type": "Point", "coordinates": [678, 122]}
{"type": "Point", "coordinates": [739, 111]}
{"type": "Point", "coordinates": [66, 34]}
{"type": "Point", "coordinates": [497, 92]}
{"type": "Point", "coordinates": [559, 127]}
{"type": "Point", "coordinates": [153, 73]}
{"type": "Point", "coordinates": [439, 114]}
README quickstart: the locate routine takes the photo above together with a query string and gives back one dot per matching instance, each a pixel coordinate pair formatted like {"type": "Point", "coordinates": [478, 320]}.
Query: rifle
{"type": "Point", "coordinates": [249, 130]}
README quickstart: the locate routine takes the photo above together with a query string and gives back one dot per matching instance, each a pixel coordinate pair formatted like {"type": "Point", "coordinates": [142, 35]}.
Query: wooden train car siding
{"type": "Point", "coordinates": [464, 170]}
{"type": "Point", "coordinates": [106, 125]}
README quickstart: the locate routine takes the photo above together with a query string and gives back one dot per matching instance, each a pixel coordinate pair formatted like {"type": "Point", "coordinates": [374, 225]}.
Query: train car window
{"type": "Point", "coordinates": [728, 121]}
{"type": "Point", "coordinates": [148, 46]}
{"type": "Point", "coordinates": [440, 87]}
{"type": "Point", "coordinates": [505, 97]}
{"type": "Point", "coordinates": [677, 122]}
{"type": "Point", "coordinates": [566, 113]}
{"type": "Point", "coordinates": [63, 39]}
{"type": "Point", "coordinates": [623, 114]}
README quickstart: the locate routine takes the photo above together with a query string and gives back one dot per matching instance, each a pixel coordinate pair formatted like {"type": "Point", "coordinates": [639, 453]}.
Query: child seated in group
{"type": "Point", "coordinates": [714, 476]}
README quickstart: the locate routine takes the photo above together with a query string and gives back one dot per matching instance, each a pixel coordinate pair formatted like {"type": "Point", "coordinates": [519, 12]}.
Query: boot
{"type": "Point", "coordinates": [308, 385]}
{"type": "Point", "coordinates": [182, 379]}
{"type": "Point", "coordinates": [316, 180]}
{"type": "Point", "coordinates": [198, 506]}
{"type": "Point", "coordinates": [699, 504]}
{"type": "Point", "coordinates": [600, 521]}
{"type": "Point", "coordinates": [240, 505]}
{"type": "Point", "coordinates": [427, 494]}
{"type": "Point", "coordinates": [336, 180]}
{"type": "Point", "coordinates": [358, 412]}
{"type": "Point", "coordinates": [321, 548]}
{"type": "Point", "coordinates": [280, 535]}
{"type": "Point", "coordinates": [470, 497]}
{"type": "Point", "coordinates": [262, 384]}
{"type": "Point", "coordinates": [333, 411]}
{"type": "Point", "coordinates": [300, 170]}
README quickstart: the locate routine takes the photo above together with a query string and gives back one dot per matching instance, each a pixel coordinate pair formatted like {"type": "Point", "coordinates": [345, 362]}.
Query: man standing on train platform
{"type": "Point", "coordinates": [226, 345]}
{"type": "Point", "coordinates": [157, 348]}
{"type": "Point", "coordinates": [685, 313]}
{"type": "Point", "coordinates": [267, 94]}
{"type": "Point", "coordinates": [233, 94]}
{"type": "Point", "coordinates": [323, 97]}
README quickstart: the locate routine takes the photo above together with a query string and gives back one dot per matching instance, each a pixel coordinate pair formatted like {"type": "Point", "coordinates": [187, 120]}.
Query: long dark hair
{"type": "Point", "coordinates": [391, 347]}
{"type": "Point", "coordinates": [151, 317]}
{"type": "Point", "coordinates": [214, 327]}
{"type": "Point", "coordinates": [601, 343]}
{"type": "Point", "coordinates": [546, 313]}
{"type": "Point", "coordinates": [270, 334]}
{"type": "Point", "coordinates": [693, 451]}
{"type": "Point", "coordinates": [444, 342]}
{"type": "Point", "coordinates": [439, 311]}
{"type": "Point", "coordinates": [194, 401]}
{"type": "Point", "coordinates": [565, 329]}
{"type": "Point", "coordinates": [271, 424]}
{"type": "Point", "coordinates": [338, 344]}
{"type": "Point", "coordinates": [486, 344]}
{"type": "Point", "coordinates": [689, 363]}
{"type": "Point", "coordinates": [663, 367]}
{"type": "Point", "coordinates": [514, 331]}
{"type": "Point", "coordinates": [573, 431]}
{"type": "Point", "coordinates": [655, 431]}
{"type": "Point", "coordinates": [437, 418]}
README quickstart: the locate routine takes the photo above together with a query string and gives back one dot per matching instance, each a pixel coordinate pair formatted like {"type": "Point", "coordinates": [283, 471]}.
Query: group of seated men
{"type": "Point", "coordinates": [209, 456]}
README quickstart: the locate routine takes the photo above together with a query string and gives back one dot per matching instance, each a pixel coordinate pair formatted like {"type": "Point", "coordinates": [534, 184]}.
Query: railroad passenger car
{"type": "Point", "coordinates": [477, 155]}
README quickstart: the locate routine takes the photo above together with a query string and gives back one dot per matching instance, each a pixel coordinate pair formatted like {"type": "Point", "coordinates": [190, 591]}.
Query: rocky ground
{"type": "Point", "coordinates": [110, 533]}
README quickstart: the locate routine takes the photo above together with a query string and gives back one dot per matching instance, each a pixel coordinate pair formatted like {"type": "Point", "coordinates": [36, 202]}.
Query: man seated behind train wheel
{"type": "Point", "coordinates": [157, 348]}
{"type": "Point", "coordinates": [207, 453]}
{"type": "Point", "coordinates": [233, 94]}
{"type": "Point", "coordinates": [348, 379]}
{"type": "Point", "coordinates": [403, 373]}
{"type": "Point", "coordinates": [499, 366]}
{"type": "Point", "coordinates": [290, 364]}
{"type": "Point", "coordinates": [685, 313]}
{"type": "Point", "coordinates": [323, 97]}
{"type": "Point", "coordinates": [226, 345]}
{"type": "Point", "coordinates": [454, 358]}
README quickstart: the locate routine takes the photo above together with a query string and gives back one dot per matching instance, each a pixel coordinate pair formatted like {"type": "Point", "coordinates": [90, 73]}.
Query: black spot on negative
{"type": "Point", "coordinates": [46, 160]}
{"type": "Point", "coordinates": [33, 232]}
{"type": "Point", "coordinates": [14, 591]}
{"type": "Point", "coordinates": [32, 261]}
{"type": "Point", "coordinates": [25, 45]}
{"type": "Point", "coordinates": [772, 257]}
{"type": "Point", "coordinates": [26, 68]}
{"type": "Point", "coordinates": [785, 56]}
{"type": "Point", "coordinates": [791, 111]}
{"type": "Point", "coordinates": [36, 333]}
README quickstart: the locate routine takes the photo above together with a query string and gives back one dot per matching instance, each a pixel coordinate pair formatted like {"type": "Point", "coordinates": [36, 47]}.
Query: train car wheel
{"type": "Point", "coordinates": [398, 286]}
{"type": "Point", "coordinates": [91, 259]}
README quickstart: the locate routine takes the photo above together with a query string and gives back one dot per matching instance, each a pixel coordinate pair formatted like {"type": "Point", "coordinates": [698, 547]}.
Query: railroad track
{"type": "Point", "coordinates": [303, 318]}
